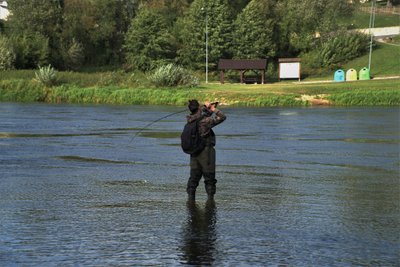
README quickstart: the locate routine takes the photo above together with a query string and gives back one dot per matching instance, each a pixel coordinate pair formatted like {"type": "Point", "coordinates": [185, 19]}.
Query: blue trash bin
{"type": "Point", "coordinates": [339, 76]}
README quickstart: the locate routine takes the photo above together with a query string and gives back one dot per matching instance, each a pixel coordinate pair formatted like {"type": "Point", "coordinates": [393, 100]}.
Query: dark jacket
{"type": "Point", "coordinates": [208, 120]}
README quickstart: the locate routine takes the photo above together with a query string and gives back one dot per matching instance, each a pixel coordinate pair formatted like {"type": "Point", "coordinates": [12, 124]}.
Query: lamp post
{"type": "Point", "coordinates": [371, 25]}
{"type": "Point", "coordinates": [205, 10]}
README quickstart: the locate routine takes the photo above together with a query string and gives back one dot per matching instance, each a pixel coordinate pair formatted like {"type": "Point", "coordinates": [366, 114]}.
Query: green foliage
{"type": "Point", "coordinates": [100, 28]}
{"type": "Point", "coordinates": [192, 34]}
{"type": "Point", "coordinates": [341, 48]}
{"type": "Point", "coordinates": [172, 75]}
{"type": "Point", "coordinates": [300, 20]}
{"type": "Point", "coordinates": [74, 55]}
{"type": "Point", "coordinates": [31, 49]}
{"type": "Point", "coordinates": [46, 75]}
{"type": "Point", "coordinates": [98, 25]}
{"type": "Point", "coordinates": [148, 41]}
{"type": "Point", "coordinates": [364, 97]}
{"type": "Point", "coordinates": [70, 34]}
{"type": "Point", "coordinates": [17, 85]}
{"type": "Point", "coordinates": [360, 20]}
{"type": "Point", "coordinates": [255, 35]}
{"type": "Point", "coordinates": [7, 55]}
{"type": "Point", "coordinates": [39, 21]}
{"type": "Point", "coordinates": [22, 91]}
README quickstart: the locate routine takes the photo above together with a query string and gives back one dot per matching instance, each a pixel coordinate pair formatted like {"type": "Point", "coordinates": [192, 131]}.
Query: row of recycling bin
{"type": "Point", "coordinates": [351, 75]}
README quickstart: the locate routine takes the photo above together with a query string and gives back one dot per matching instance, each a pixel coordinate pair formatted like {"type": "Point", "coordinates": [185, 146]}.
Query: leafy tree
{"type": "Point", "coordinates": [36, 19]}
{"type": "Point", "coordinates": [301, 20]}
{"type": "Point", "coordinates": [73, 55]}
{"type": "Point", "coordinates": [340, 48]}
{"type": "Point", "coordinates": [100, 28]}
{"type": "Point", "coordinates": [31, 49]}
{"type": "Point", "coordinates": [7, 55]}
{"type": "Point", "coordinates": [255, 35]}
{"type": "Point", "coordinates": [148, 40]}
{"type": "Point", "coordinates": [192, 36]}
{"type": "Point", "coordinates": [238, 6]}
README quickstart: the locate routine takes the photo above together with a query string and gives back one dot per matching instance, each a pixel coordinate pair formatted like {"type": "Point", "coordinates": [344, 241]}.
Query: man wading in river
{"type": "Point", "coordinates": [202, 162]}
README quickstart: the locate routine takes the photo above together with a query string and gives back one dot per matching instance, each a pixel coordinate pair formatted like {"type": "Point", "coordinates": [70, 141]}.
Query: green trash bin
{"type": "Point", "coordinates": [351, 75]}
{"type": "Point", "coordinates": [364, 74]}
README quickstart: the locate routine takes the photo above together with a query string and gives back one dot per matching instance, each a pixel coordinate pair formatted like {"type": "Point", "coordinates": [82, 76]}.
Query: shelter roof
{"type": "Point", "coordinates": [242, 64]}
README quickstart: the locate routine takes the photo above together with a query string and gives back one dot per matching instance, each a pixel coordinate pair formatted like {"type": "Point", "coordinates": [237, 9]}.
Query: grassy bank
{"type": "Point", "coordinates": [117, 87]}
{"type": "Point", "coordinates": [374, 92]}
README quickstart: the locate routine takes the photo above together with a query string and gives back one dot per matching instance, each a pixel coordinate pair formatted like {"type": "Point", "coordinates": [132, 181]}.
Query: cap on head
{"type": "Point", "coordinates": [193, 105]}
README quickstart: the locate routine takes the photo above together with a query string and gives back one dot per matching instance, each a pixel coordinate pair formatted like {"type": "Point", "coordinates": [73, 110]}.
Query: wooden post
{"type": "Point", "coordinates": [262, 76]}
{"type": "Point", "coordinates": [222, 76]}
{"type": "Point", "coordinates": [241, 76]}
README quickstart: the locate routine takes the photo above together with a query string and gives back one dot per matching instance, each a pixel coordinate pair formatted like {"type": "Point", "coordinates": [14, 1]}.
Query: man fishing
{"type": "Point", "coordinates": [202, 164]}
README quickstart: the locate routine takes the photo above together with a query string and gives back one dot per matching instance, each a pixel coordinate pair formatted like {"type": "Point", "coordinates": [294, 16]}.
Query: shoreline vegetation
{"type": "Point", "coordinates": [111, 85]}
{"type": "Point", "coordinates": [143, 40]}
{"type": "Point", "coordinates": [125, 89]}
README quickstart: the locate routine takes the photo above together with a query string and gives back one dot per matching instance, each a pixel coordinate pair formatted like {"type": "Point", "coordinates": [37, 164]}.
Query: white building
{"type": "Point", "coordinates": [4, 12]}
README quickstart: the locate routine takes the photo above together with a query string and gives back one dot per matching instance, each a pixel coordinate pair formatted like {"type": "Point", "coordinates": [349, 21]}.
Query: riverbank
{"type": "Point", "coordinates": [360, 93]}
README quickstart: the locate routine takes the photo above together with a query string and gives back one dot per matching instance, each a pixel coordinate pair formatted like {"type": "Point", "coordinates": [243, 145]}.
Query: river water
{"type": "Point", "coordinates": [296, 187]}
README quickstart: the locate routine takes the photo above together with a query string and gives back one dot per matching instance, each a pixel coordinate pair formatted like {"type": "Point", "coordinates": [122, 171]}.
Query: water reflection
{"type": "Point", "coordinates": [199, 234]}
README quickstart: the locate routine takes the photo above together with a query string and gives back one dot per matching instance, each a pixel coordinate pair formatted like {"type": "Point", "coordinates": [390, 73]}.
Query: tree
{"type": "Point", "coordinates": [238, 6]}
{"type": "Point", "coordinates": [100, 28]}
{"type": "Point", "coordinates": [36, 20]}
{"type": "Point", "coordinates": [148, 41]}
{"type": "Point", "coordinates": [255, 35]}
{"type": "Point", "coordinates": [7, 55]}
{"type": "Point", "coordinates": [301, 20]}
{"type": "Point", "coordinates": [192, 36]}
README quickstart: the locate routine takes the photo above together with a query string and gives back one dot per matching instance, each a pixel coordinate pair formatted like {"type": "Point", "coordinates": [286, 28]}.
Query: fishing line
{"type": "Point", "coordinates": [151, 123]}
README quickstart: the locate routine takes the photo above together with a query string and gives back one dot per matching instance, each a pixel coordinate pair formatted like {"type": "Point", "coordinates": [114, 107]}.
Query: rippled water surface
{"type": "Point", "coordinates": [296, 187]}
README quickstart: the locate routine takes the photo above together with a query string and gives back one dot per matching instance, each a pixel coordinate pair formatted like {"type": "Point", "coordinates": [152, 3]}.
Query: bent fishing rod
{"type": "Point", "coordinates": [159, 119]}
{"type": "Point", "coordinates": [151, 123]}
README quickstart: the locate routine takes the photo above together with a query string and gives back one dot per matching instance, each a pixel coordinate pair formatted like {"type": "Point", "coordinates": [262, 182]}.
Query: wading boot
{"type": "Point", "coordinates": [191, 195]}
{"type": "Point", "coordinates": [210, 181]}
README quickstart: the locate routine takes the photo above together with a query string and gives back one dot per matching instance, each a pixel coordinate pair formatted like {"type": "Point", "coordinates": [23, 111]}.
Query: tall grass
{"type": "Point", "coordinates": [85, 79]}
{"type": "Point", "coordinates": [364, 97]}
{"type": "Point", "coordinates": [22, 91]}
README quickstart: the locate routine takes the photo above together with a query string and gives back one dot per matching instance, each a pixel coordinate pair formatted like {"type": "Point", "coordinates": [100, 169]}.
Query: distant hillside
{"type": "Point", "coordinates": [361, 18]}
{"type": "Point", "coordinates": [385, 62]}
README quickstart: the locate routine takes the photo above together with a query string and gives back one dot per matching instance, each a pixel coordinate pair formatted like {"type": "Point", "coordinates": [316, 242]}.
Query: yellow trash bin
{"type": "Point", "coordinates": [351, 75]}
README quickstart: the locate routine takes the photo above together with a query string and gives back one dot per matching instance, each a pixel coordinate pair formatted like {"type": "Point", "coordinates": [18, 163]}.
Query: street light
{"type": "Point", "coordinates": [205, 10]}
{"type": "Point", "coordinates": [371, 25]}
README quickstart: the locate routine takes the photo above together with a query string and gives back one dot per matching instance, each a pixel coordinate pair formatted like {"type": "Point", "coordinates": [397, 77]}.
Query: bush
{"type": "Point", "coordinates": [173, 75]}
{"type": "Point", "coordinates": [46, 75]}
{"type": "Point", "coordinates": [31, 50]}
{"type": "Point", "coordinates": [343, 47]}
{"type": "Point", "coordinates": [7, 55]}
{"type": "Point", "coordinates": [74, 55]}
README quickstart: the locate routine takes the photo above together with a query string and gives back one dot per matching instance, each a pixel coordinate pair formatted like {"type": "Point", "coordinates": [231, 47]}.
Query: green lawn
{"type": "Point", "coordinates": [360, 20]}
{"type": "Point", "coordinates": [384, 62]}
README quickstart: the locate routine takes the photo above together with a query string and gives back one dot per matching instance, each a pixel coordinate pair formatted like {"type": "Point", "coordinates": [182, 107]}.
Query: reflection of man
{"type": "Point", "coordinates": [200, 234]}
{"type": "Point", "coordinates": [203, 164]}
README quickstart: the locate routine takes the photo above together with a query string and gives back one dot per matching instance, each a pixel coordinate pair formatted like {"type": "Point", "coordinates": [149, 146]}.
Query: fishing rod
{"type": "Point", "coordinates": [157, 120]}
{"type": "Point", "coordinates": [151, 123]}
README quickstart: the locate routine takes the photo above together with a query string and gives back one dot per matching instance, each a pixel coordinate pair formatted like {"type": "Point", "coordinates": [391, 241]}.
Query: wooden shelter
{"type": "Point", "coordinates": [243, 65]}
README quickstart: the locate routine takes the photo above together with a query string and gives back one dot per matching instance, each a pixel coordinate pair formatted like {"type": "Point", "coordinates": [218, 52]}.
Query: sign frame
{"type": "Point", "coordinates": [289, 68]}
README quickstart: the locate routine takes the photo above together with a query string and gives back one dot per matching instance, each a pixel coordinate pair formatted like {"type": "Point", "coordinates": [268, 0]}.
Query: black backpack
{"type": "Point", "coordinates": [191, 141]}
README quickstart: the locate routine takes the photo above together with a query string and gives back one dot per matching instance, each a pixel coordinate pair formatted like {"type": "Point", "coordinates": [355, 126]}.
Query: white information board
{"type": "Point", "coordinates": [289, 70]}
